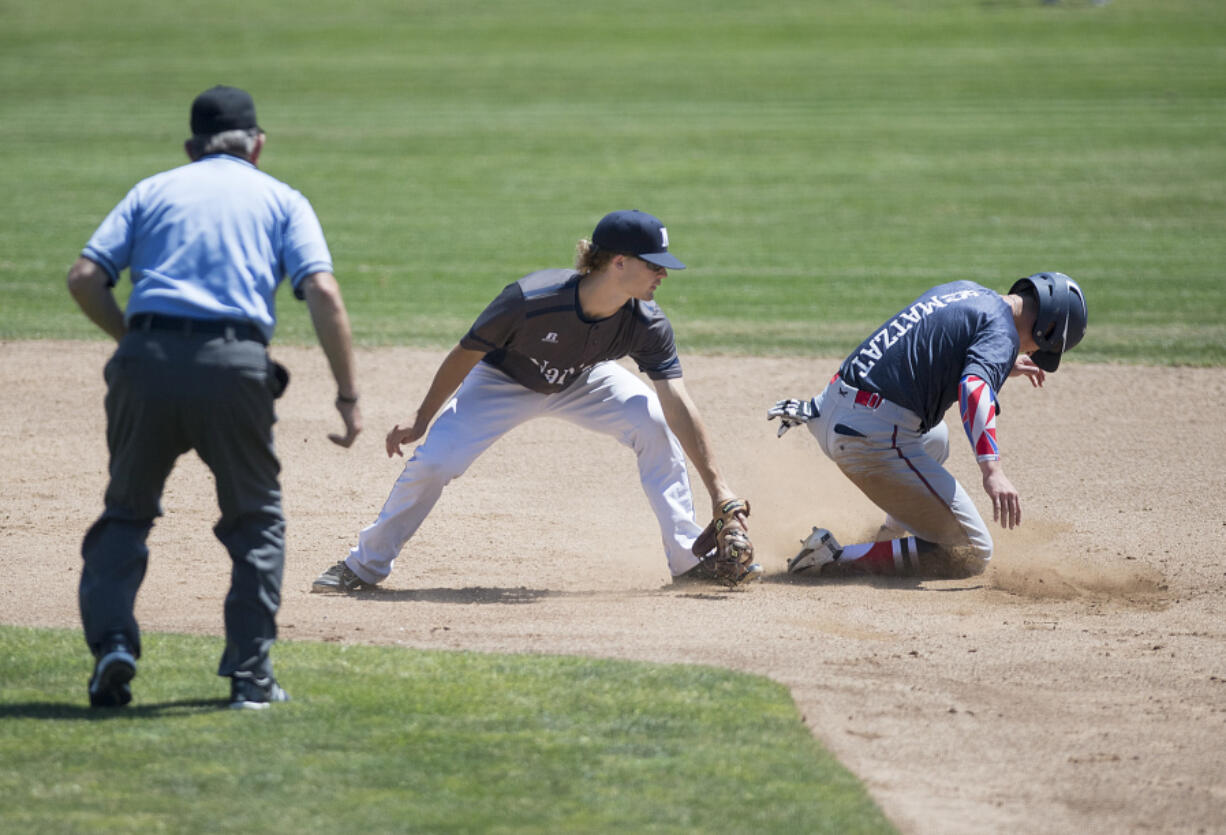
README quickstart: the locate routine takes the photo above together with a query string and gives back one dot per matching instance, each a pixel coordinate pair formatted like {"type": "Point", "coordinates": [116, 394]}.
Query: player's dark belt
{"type": "Point", "coordinates": [212, 327]}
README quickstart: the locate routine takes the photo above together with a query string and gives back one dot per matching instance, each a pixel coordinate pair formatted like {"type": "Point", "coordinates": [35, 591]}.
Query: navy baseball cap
{"type": "Point", "coordinates": [636, 233]}
{"type": "Point", "coordinates": [222, 108]}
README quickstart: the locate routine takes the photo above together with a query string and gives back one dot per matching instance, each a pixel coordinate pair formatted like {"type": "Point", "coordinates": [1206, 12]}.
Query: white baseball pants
{"type": "Point", "coordinates": [608, 399]}
{"type": "Point", "coordinates": [877, 444]}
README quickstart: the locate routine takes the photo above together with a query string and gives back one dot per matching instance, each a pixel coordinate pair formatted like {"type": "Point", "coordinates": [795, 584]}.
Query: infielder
{"type": "Point", "coordinates": [207, 244]}
{"type": "Point", "coordinates": [546, 347]}
{"type": "Point", "coordinates": [880, 419]}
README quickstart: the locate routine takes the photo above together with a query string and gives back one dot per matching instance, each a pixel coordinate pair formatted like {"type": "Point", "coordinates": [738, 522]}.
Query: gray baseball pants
{"type": "Point", "coordinates": [878, 445]}
{"type": "Point", "coordinates": [169, 392]}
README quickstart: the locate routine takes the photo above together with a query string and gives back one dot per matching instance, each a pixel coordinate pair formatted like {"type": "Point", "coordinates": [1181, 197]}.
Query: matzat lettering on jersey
{"type": "Point", "coordinates": [901, 325]}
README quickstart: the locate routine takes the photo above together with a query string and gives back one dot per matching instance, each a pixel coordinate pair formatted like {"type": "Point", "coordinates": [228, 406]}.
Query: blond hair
{"type": "Point", "coordinates": [590, 258]}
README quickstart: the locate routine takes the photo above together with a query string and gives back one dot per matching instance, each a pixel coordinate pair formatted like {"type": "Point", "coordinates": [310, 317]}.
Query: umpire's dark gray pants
{"type": "Point", "coordinates": [169, 392]}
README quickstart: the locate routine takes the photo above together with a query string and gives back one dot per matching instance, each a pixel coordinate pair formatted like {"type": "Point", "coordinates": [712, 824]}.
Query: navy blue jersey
{"type": "Point", "coordinates": [535, 332]}
{"type": "Point", "coordinates": [917, 358]}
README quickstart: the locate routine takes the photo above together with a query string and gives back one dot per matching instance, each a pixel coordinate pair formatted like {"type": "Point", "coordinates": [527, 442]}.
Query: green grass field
{"type": "Point", "coordinates": [383, 740]}
{"type": "Point", "coordinates": [818, 163]}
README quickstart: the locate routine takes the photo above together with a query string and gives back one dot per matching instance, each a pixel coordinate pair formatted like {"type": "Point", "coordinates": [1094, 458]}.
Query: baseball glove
{"type": "Point", "coordinates": [724, 545]}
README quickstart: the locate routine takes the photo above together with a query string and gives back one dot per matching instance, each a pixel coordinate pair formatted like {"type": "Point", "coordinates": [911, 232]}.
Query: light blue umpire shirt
{"type": "Point", "coordinates": [211, 240]}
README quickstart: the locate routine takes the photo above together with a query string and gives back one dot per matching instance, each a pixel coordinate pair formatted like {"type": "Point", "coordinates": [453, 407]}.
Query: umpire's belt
{"type": "Point", "coordinates": [228, 328]}
{"type": "Point", "coordinates": [874, 402]}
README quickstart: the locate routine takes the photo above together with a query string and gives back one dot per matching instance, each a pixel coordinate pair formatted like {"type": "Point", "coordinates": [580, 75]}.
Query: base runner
{"type": "Point", "coordinates": [880, 420]}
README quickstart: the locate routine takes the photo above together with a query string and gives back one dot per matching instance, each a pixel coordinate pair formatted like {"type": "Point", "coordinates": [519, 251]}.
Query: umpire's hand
{"type": "Point", "coordinates": [352, 416]}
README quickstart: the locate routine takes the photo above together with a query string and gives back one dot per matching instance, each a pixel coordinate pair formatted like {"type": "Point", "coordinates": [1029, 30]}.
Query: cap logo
{"type": "Point", "coordinates": [664, 237]}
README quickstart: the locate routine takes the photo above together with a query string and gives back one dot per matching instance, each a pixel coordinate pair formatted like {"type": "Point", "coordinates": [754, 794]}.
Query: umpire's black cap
{"type": "Point", "coordinates": [222, 108]}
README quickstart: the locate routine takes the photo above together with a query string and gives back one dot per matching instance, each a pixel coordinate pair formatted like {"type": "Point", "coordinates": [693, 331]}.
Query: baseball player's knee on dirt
{"type": "Point", "coordinates": [910, 556]}
{"type": "Point", "coordinates": [973, 566]}
{"type": "Point", "coordinates": [965, 555]}
{"type": "Point", "coordinates": [961, 533]}
{"type": "Point", "coordinates": [952, 562]}
{"type": "Point", "coordinates": [979, 547]}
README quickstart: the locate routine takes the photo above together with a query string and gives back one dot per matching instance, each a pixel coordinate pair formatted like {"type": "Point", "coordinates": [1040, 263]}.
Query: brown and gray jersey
{"type": "Point", "coordinates": [535, 332]}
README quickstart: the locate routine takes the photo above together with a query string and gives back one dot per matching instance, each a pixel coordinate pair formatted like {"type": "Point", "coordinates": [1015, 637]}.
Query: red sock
{"type": "Point", "coordinates": [891, 556]}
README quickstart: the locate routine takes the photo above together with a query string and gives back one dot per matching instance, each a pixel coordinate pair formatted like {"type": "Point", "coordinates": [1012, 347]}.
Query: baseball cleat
{"type": "Point", "coordinates": [340, 578]}
{"type": "Point", "coordinates": [116, 667]}
{"type": "Point", "coordinates": [818, 550]}
{"type": "Point", "coordinates": [248, 693]}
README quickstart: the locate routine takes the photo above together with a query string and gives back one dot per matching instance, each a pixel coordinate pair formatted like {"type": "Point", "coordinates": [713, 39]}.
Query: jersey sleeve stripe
{"type": "Point", "coordinates": [977, 405]}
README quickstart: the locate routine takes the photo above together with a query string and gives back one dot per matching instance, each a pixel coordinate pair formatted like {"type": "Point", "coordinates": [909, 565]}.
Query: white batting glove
{"type": "Point", "coordinates": [791, 413]}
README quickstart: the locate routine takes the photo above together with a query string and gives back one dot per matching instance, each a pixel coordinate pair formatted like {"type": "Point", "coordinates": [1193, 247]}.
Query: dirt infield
{"type": "Point", "coordinates": [1078, 686]}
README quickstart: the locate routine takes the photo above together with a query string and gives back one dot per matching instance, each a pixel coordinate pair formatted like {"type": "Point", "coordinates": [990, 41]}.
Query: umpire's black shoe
{"type": "Point", "coordinates": [249, 693]}
{"type": "Point", "coordinates": [115, 667]}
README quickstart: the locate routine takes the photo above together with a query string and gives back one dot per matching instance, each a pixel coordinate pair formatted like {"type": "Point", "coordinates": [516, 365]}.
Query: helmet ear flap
{"type": "Point", "coordinates": [1031, 286]}
{"type": "Point", "coordinates": [1061, 318]}
{"type": "Point", "coordinates": [1053, 313]}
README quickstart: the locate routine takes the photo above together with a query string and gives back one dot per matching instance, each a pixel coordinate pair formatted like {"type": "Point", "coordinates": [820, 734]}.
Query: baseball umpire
{"type": "Point", "coordinates": [880, 419]}
{"type": "Point", "coordinates": [206, 244]}
{"type": "Point", "coordinates": [546, 347]}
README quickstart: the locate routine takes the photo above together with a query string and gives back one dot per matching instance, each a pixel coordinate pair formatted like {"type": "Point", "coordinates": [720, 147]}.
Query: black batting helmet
{"type": "Point", "coordinates": [1061, 320]}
